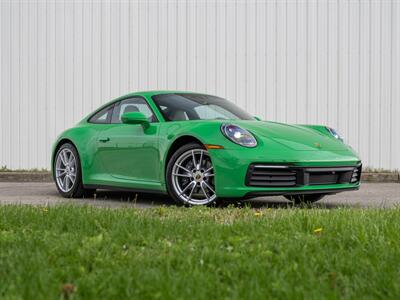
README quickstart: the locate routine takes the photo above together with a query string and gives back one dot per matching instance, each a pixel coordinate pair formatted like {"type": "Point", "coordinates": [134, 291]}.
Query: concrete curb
{"type": "Point", "coordinates": [380, 177]}
{"type": "Point", "coordinates": [25, 176]}
{"type": "Point", "coordinates": [17, 176]}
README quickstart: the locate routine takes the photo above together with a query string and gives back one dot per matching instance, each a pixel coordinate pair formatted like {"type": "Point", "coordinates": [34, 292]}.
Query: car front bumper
{"type": "Point", "coordinates": [232, 172]}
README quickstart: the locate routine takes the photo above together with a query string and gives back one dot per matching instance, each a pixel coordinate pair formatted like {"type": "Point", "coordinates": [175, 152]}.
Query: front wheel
{"type": "Point", "coordinates": [67, 173]}
{"type": "Point", "coordinates": [190, 176]}
{"type": "Point", "coordinates": [304, 199]}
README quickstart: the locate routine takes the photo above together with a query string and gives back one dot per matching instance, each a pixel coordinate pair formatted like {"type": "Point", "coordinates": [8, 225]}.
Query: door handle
{"type": "Point", "coordinates": [104, 140]}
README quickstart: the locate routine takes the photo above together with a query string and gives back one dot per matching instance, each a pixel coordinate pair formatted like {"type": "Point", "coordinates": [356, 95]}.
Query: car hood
{"type": "Point", "coordinates": [295, 137]}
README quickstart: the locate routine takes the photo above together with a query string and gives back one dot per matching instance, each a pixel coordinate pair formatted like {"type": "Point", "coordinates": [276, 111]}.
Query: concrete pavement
{"type": "Point", "coordinates": [381, 195]}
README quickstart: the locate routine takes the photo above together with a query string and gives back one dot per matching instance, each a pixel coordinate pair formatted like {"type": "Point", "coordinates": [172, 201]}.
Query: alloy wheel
{"type": "Point", "coordinates": [66, 170]}
{"type": "Point", "coordinates": [193, 177]}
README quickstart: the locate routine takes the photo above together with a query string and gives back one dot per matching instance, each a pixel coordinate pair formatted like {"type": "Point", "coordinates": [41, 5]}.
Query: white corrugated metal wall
{"type": "Point", "coordinates": [324, 62]}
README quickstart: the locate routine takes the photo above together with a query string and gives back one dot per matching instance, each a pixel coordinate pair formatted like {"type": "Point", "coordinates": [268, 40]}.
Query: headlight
{"type": "Point", "coordinates": [334, 133]}
{"type": "Point", "coordinates": [239, 135]}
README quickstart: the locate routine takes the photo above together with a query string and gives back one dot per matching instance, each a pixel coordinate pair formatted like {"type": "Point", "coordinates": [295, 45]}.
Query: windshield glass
{"type": "Point", "coordinates": [183, 107]}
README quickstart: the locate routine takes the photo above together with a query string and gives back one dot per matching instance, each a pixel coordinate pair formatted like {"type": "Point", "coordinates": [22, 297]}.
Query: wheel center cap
{"type": "Point", "coordinates": [198, 176]}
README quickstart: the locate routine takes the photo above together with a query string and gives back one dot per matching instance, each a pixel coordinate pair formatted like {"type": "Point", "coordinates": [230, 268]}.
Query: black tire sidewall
{"type": "Point", "coordinates": [168, 173]}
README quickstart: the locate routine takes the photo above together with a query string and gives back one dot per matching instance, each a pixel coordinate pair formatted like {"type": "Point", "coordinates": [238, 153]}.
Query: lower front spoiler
{"type": "Point", "coordinates": [299, 192]}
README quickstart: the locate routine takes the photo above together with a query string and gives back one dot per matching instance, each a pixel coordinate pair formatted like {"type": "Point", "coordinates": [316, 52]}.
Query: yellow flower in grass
{"type": "Point", "coordinates": [318, 230]}
{"type": "Point", "coordinates": [45, 210]}
{"type": "Point", "coordinates": [258, 213]}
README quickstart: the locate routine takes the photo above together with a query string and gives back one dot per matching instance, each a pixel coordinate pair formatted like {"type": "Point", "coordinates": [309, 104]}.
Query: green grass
{"type": "Point", "coordinates": [198, 253]}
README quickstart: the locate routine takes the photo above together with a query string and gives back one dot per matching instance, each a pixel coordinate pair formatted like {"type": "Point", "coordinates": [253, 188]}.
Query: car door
{"type": "Point", "coordinates": [96, 124]}
{"type": "Point", "coordinates": [129, 152]}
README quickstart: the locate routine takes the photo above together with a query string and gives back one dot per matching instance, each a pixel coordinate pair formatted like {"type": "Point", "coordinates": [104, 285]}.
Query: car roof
{"type": "Point", "coordinates": [157, 92]}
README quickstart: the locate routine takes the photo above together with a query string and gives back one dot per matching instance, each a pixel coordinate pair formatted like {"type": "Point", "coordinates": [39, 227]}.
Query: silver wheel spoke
{"type": "Point", "coordinates": [209, 187]}
{"type": "Point", "coordinates": [72, 163]}
{"type": "Point", "coordinates": [66, 159]}
{"type": "Point", "coordinates": [200, 161]}
{"type": "Point", "coordinates": [71, 158]}
{"type": "Point", "coordinates": [64, 182]}
{"type": "Point", "coordinates": [194, 160]}
{"type": "Point", "coordinates": [62, 158]}
{"type": "Point", "coordinates": [208, 174]}
{"type": "Point", "coordinates": [179, 166]}
{"type": "Point", "coordinates": [61, 174]}
{"type": "Point", "coordinates": [186, 188]}
{"type": "Point", "coordinates": [191, 192]}
{"type": "Point", "coordinates": [208, 170]}
{"type": "Point", "coordinates": [182, 175]}
{"type": "Point", "coordinates": [204, 191]}
{"type": "Point", "coordinates": [72, 178]}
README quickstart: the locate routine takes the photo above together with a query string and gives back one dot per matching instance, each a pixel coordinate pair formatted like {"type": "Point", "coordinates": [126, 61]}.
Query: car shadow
{"type": "Point", "coordinates": [144, 200]}
{"type": "Point", "coordinates": [282, 203]}
{"type": "Point", "coordinates": [138, 199]}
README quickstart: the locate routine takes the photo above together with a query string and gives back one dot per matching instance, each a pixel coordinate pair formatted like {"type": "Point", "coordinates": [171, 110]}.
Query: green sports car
{"type": "Point", "coordinates": [199, 148]}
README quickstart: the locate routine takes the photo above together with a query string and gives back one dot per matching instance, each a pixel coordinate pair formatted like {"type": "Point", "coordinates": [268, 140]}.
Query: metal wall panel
{"type": "Point", "coordinates": [322, 62]}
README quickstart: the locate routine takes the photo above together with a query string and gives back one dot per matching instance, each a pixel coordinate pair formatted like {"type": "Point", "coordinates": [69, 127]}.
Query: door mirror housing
{"type": "Point", "coordinates": [135, 117]}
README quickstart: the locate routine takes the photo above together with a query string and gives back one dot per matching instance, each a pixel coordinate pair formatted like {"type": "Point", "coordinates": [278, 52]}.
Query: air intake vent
{"type": "Point", "coordinates": [265, 175]}
{"type": "Point", "coordinates": [270, 176]}
{"type": "Point", "coordinates": [356, 175]}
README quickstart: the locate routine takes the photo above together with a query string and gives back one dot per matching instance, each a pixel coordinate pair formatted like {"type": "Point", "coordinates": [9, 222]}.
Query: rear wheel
{"type": "Point", "coordinates": [67, 173]}
{"type": "Point", "coordinates": [306, 198]}
{"type": "Point", "coordinates": [190, 176]}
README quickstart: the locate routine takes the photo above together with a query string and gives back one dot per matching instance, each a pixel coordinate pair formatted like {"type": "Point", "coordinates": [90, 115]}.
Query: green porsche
{"type": "Point", "coordinates": [198, 149]}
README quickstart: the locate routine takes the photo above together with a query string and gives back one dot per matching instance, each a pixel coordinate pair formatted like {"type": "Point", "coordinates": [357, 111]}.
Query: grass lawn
{"type": "Point", "coordinates": [80, 252]}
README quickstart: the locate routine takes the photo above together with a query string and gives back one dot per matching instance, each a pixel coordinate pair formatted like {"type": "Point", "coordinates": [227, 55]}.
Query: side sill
{"type": "Point", "coordinates": [123, 189]}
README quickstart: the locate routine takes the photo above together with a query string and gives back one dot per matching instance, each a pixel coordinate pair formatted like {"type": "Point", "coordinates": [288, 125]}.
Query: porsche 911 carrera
{"type": "Point", "coordinates": [199, 149]}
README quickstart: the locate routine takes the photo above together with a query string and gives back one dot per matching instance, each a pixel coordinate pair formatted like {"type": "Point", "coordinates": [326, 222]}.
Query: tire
{"type": "Point", "coordinates": [67, 173]}
{"type": "Point", "coordinates": [190, 176]}
{"type": "Point", "coordinates": [304, 199]}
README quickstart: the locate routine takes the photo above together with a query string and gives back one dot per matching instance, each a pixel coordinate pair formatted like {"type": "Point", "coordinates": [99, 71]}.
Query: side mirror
{"type": "Point", "coordinates": [257, 118]}
{"type": "Point", "coordinates": [135, 118]}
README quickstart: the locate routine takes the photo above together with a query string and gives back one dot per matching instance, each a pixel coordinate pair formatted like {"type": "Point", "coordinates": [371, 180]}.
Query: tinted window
{"type": "Point", "coordinates": [182, 107]}
{"type": "Point", "coordinates": [131, 105]}
{"type": "Point", "coordinates": [103, 116]}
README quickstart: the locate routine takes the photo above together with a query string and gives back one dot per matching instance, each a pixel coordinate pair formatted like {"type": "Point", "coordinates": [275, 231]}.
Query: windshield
{"type": "Point", "coordinates": [183, 107]}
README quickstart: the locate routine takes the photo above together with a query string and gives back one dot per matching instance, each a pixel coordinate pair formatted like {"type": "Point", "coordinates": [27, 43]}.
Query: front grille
{"type": "Point", "coordinates": [264, 175]}
{"type": "Point", "coordinates": [323, 178]}
{"type": "Point", "coordinates": [270, 176]}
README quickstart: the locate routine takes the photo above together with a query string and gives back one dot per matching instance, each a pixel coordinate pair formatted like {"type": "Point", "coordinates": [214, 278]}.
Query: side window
{"type": "Point", "coordinates": [132, 105]}
{"type": "Point", "coordinates": [103, 116]}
